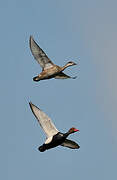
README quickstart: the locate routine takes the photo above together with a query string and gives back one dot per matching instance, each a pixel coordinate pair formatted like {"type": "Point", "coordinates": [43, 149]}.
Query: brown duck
{"type": "Point", "coordinates": [49, 69]}
{"type": "Point", "coordinates": [53, 136]}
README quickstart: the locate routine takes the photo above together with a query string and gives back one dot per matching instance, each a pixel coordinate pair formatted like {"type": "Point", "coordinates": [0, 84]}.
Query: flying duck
{"type": "Point", "coordinates": [49, 69]}
{"type": "Point", "coordinates": [53, 136]}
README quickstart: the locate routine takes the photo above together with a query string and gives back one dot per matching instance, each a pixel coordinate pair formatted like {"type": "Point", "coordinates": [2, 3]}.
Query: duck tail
{"type": "Point", "coordinates": [42, 148]}
{"type": "Point", "coordinates": [36, 78]}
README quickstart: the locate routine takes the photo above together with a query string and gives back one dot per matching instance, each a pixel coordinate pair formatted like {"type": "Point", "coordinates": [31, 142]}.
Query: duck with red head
{"type": "Point", "coordinates": [54, 137]}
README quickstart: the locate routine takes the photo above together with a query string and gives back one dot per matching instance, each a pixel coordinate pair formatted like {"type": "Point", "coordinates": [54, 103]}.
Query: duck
{"type": "Point", "coordinates": [49, 69]}
{"type": "Point", "coordinates": [54, 137]}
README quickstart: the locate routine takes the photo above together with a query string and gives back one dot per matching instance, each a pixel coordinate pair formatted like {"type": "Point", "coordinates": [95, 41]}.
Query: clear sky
{"type": "Point", "coordinates": [66, 30]}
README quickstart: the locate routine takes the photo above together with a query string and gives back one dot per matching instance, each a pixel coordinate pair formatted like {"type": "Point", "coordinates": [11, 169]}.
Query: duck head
{"type": "Point", "coordinates": [71, 63]}
{"type": "Point", "coordinates": [72, 130]}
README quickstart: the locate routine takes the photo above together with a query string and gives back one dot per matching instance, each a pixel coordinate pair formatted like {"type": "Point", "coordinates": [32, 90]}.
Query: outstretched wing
{"type": "Point", "coordinates": [40, 55]}
{"type": "Point", "coordinates": [70, 144]}
{"type": "Point", "coordinates": [62, 75]}
{"type": "Point", "coordinates": [44, 121]}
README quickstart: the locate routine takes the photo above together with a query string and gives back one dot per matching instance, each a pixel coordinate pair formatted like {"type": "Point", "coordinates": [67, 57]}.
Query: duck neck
{"type": "Point", "coordinates": [67, 133]}
{"type": "Point", "coordinates": [65, 66]}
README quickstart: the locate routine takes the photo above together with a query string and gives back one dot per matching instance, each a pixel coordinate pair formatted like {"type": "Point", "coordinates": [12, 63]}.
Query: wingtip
{"type": "Point", "coordinates": [74, 77]}
{"type": "Point", "coordinates": [32, 105]}
{"type": "Point", "coordinates": [78, 147]}
{"type": "Point", "coordinates": [31, 37]}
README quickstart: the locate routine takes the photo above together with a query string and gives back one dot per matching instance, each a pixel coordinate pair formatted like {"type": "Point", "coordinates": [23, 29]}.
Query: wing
{"type": "Point", "coordinates": [44, 121]}
{"type": "Point", "coordinates": [62, 75]}
{"type": "Point", "coordinates": [70, 144]}
{"type": "Point", "coordinates": [39, 55]}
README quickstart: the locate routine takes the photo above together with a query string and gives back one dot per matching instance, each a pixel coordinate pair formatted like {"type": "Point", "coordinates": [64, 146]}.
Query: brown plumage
{"type": "Point", "coordinates": [49, 69]}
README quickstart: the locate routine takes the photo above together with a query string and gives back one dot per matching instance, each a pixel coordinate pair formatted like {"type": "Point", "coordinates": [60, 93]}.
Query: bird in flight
{"type": "Point", "coordinates": [53, 136]}
{"type": "Point", "coordinates": [49, 69]}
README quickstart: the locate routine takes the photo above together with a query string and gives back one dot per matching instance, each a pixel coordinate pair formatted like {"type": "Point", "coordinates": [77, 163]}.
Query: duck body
{"type": "Point", "coordinates": [57, 140]}
{"type": "Point", "coordinates": [48, 73]}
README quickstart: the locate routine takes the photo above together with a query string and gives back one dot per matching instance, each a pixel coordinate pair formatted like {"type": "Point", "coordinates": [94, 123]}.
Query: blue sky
{"type": "Point", "coordinates": [66, 30]}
